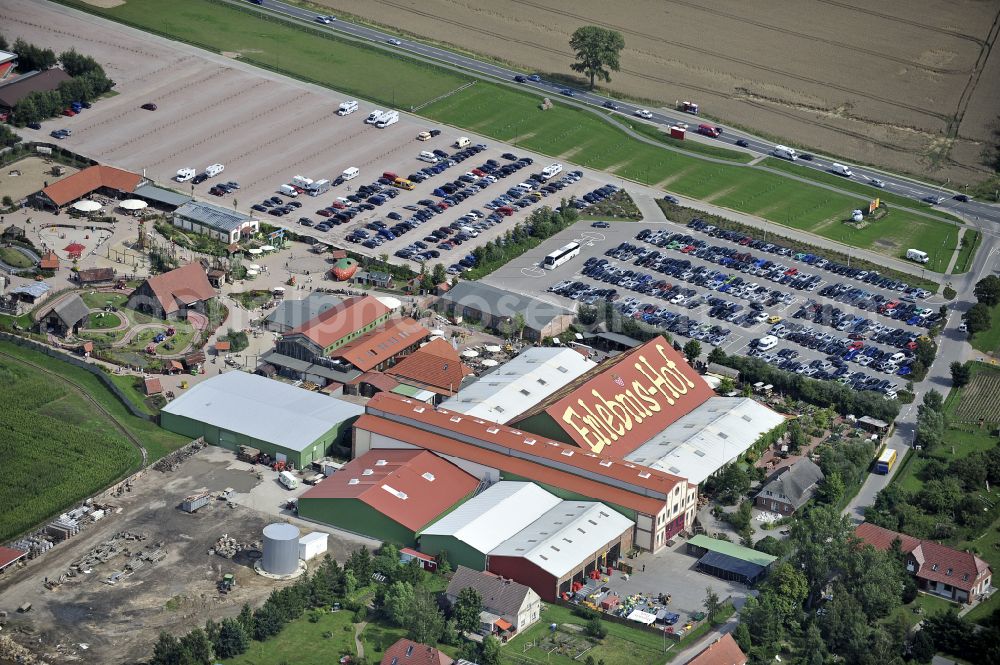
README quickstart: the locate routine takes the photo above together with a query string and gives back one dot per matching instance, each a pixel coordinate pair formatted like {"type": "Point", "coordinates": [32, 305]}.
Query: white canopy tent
{"type": "Point", "coordinates": [470, 353]}
{"type": "Point", "coordinates": [133, 204]}
{"type": "Point", "coordinates": [87, 205]}
{"type": "Point", "coordinates": [489, 362]}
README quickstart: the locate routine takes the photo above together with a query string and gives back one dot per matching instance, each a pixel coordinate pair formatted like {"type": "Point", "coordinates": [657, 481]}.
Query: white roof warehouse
{"type": "Point", "coordinates": [240, 409]}
{"type": "Point", "coordinates": [214, 221]}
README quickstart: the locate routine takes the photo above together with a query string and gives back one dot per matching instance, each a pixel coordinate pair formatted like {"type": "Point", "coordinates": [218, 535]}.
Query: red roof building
{"type": "Point", "coordinates": [622, 403]}
{"type": "Point", "coordinates": [92, 179]}
{"type": "Point", "coordinates": [723, 651]}
{"type": "Point", "coordinates": [9, 556]}
{"type": "Point", "coordinates": [152, 386]}
{"type": "Point", "coordinates": [436, 366]}
{"type": "Point", "coordinates": [95, 275]}
{"type": "Point", "coordinates": [408, 652]}
{"type": "Point", "coordinates": [341, 324]}
{"type": "Point", "coordinates": [939, 569]}
{"type": "Point", "coordinates": [172, 294]}
{"type": "Point", "coordinates": [50, 261]}
{"type": "Point", "coordinates": [494, 451]}
{"type": "Point", "coordinates": [379, 348]}
{"type": "Point", "coordinates": [388, 494]}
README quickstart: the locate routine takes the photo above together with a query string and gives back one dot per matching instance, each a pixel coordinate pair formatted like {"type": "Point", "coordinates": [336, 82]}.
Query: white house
{"type": "Point", "coordinates": [508, 607]}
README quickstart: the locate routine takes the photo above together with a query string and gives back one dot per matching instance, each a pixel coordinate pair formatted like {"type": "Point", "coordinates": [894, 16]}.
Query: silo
{"type": "Point", "coordinates": [281, 549]}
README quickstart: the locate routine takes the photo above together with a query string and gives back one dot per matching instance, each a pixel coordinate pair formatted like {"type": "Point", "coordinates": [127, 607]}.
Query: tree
{"type": "Point", "coordinates": [490, 653]}
{"type": "Point", "coordinates": [468, 605]}
{"type": "Point", "coordinates": [425, 623]}
{"type": "Point", "coordinates": [922, 647]}
{"type": "Point", "coordinates": [166, 651]}
{"type": "Point", "coordinates": [712, 604]}
{"type": "Point", "coordinates": [960, 374]}
{"type": "Point", "coordinates": [360, 562]}
{"type": "Point", "coordinates": [731, 484]}
{"type": "Point", "coordinates": [726, 385]}
{"type": "Point", "coordinates": [821, 538]}
{"type": "Point", "coordinates": [439, 274]}
{"type": "Point", "coordinates": [978, 319]}
{"type": "Point", "coordinates": [933, 400]}
{"type": "Point", "coordinates": [232, 640]}
{"type": "Point", "coordinates": [598, 52]}
{"type": "Point", "coordinates": [595, 628]}
{"type": "Point", "coordinates": [790, 589]}
{"type": "Point", "coordinates": [742, 637]}
{"type": "Point", "coordinates": [246, 619]}
{"type": "Point", "coordinates": [987, 290]}
{"type": "Point", "coordinates": [831, 489]}
{"type": "Point", "coordinates": [398, 602]}
{"type": "Point", "coordinates": [716, 355]}
{"type": "Point", "coordinates": [796, 437]}
{"type": "Point", "coordinates": [692, 350]}
{"type": "Point", "coordinates": [930, 429]}
{"type": "Point", "coordinates": [197, 648]}
{"type": "Point", "coordinates": [926, 351]}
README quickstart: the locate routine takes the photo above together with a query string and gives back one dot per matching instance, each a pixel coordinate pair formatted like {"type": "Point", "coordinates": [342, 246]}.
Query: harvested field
{"type": "Point", "coordinates": [879, 85]}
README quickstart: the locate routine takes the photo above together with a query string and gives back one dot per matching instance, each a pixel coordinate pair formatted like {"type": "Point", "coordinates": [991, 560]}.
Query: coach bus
{"type": "Point", "coordinates": [561, 255]}
{"type": "Point", "coordinates": [885, 461]}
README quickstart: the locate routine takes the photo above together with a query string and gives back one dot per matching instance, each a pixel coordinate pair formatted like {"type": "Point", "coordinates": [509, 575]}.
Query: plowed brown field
{"type": "Point", "coordinates": [907, 84]}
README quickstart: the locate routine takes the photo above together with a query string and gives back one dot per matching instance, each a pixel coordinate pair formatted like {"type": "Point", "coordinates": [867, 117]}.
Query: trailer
{"type": "Point", "coordinates": [688, 107]}
{"type": "Point", "coordinates": [784, 152]}
{"type": "Point", "coordinates": [183, 175]}
{"type": "Point", "coordinates": [214, 169]}
{"type": "Point", "coordinates": [373, 117]}
{"type": "Point", "coordinates": [677, 132]}
{"type": "Point", "coordinates": [347, 108]}
{"type": "Point", "coordinates": [319, 187]}
{"type": "Point", "coordinates": [388, 118]}
{"type": "Point", "coordinates": [192, 503]}
{"type": "Point", "coordinates": [301, 182]}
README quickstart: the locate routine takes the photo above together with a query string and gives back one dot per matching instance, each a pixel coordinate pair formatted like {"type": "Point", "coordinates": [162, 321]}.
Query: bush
{"type": "Point", "coordinates": [595, 628]}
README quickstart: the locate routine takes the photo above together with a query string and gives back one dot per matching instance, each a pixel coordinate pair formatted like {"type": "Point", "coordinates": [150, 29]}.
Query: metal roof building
{"type": "Point", "coordinates": [160, 196]}
{"type": "Point", "coordinates": [562, 546]}
{"type": "Point", "coordinates": [483, 523]}
{"type": "Point", "coordinates": [519, 384]}
{"type": "Point", "coordinates": [493, 306]}
{"type": "Point", "coordinates": [709, 437]}
{"type": "Point", "coordinates": [729, 561]}
{"type": "Point", "coordinates": [237, 408]}
{"type": "Point", "coordinates": [290, 314]}
{"type": "Point", "coordinates": [214, 221]}
{"type": "Point", "coordinates": [388, 494]}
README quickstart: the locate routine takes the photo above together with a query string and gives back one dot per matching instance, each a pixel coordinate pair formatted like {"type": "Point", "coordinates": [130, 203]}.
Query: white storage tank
{"type": "Point", "coordinates": [312, 545]}
{"type": "Point", "coordinates": [281, 549]}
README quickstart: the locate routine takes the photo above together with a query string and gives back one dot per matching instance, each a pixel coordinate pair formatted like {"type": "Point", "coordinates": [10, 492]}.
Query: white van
{"type": "Point", "coordinates": [917, 255]}
{"type": "Point", "coordinates": [463, 142]}
{"type": "Point", "coordinates": [767, 343]}
{"type": "Point", "coordinates": [428, 157]}
{"type": "Point", "coordinates": [288, 480]}
{"type": "Point", "coordinates": [840, 169]}
{"type": "Point", "coordinates": [288, 190]}
{"type": "Point", "coordinates": [214, 170]}
{"type": "Point", "coordinates": [183, 175]}
{"type": "Point", "coordinates": [347, 108]}
{"type": "Point", "coordinates": [470, 231]}
{"type": "Point", "coordinates": [373, 117]}
{"type": "Point", "coordinates": [350, 173]}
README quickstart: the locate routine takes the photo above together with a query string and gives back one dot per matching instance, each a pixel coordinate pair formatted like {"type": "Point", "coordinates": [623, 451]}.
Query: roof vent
{"type": "Point", "coordinates": [543, 382]}
{"type": "Point", "coordinates": [455, 419]}
{"type": "Point", "coordinates": [525, 392]}
{"type": "Point", "coordinates": [518, 432]}
{"type": "Point", "coordinates": [381, 462]}
{"type": "Point", "coordinates": [603, 514]}
{"type": "Point", "coordinates": [631, 466]}
{"type": "Point", "coordinates": [353, 481]}
{"type": "Point", "coordinates": [478, 421]}
{"type": "Point", "coordinates": [567, 453]}
{"type": "Point", "coordinates": [499, 409]}
{"type": "Point", "coordinates": [427, 475]}
{"type": "Point", "coordinates": [396, 493]}
{"type": "Point", "coordinates": [606, 463]}
{"type": "Point", "coordinates": [542, 556]}
{"type": "Point", "coordinates": [492, 430]}
{"type": "Point", "coordinates": [367, 472]}
{"type": "Point", "coordinates": [747, 418]}
{"type": "Point", "coordinates": [562, 369]}
{"type": "Point", "coordinates": [723, 435]}
{"type": "Point", "coordinates": [699, 453]}
{"type": "Point", "coordinates": [418, 409]}
{"type": "Point", "coordinates": [555, 548]}
{"type": "Point", "coordinates": [644, 474]}
{"type": "Point", "coordinates": [529, 442]}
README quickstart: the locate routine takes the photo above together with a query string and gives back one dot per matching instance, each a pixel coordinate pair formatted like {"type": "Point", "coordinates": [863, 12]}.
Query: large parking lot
{"type": "Point", "coordinates": [818, 319]}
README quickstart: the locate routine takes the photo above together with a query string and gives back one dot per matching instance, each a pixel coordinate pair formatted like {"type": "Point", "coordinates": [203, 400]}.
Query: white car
{"type": "Point", "coordinates": [875, 182]}
{"type": "Point", "coordinates": [395, 42]}
{"type": "Point", "coordinates": [643, 113]}
{"type": "Point", "coordinates": [326, 20]}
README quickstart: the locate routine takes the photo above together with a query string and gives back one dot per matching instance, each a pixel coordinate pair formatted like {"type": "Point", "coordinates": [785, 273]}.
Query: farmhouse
{"type": "Point", "coordinates": [173, 294]}
{"type": "Point", "coordinates": [408, 652]}
{"type": "Point", "coordinates": [240, 409]}
{"type": "Point", "coordinates": [723, 651]}
{"type": "Point", "coordinates": [64, 317]}
{"type": "Point", "coordinates": [499, 310]}
{"type": "Point", "coordinates": [508, 606]}
{"type": "Point", "coordinates": [17, 88]}
{"type": "Point", "coordinates": [388, 494]}
{"type": "Point", "coordinates": [790, 490]}
{"type": "Point", "coordinates": [941, 570]}
{"type": "Point", "coordinates": [100, 179]}
{"type": "Point", "coordinates": [214, 221]}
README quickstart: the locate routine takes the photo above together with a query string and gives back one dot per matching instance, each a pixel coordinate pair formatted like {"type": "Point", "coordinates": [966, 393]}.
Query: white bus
{"type": "Point", "coordinates": [561, 255]}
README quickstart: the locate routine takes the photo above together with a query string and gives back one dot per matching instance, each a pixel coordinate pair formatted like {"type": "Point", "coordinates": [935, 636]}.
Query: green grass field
{"type": "Point", "coordinates": [59, 450]}
{"type": "Point", "coordinates": [512, 115]}
{"type": "Point", "coordinates": [306, 641]}
{"type": "Point", "coordinates": [697, 147]}
{"type": "Point", "coordinates": [970, 245]}
{"type": "Point", "coordinates": [14, 258]}
{"type": "Point", "coordinates": [988, 341]}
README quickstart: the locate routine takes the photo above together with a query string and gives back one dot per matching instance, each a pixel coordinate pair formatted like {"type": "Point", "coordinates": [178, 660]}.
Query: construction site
{"type": "Point", "coordinates": [172, 548]}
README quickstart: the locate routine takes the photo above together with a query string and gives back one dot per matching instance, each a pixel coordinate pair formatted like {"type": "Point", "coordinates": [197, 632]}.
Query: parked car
{"type": "Point", "coordinates": [743, 143]}
{"type": "Point", "coordinates": [148, 106]}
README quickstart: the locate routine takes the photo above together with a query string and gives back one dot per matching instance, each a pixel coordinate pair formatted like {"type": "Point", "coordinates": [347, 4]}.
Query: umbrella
{"type": "Point", "coordinates": [267, 248]}
{"type": "Point", "coordinates": [252, 273]}
{"type": "Point", "coordinates": [133, 204]}
{"type": "Point", "coordinates": [492, 348]}
{"type": "Point", "coordinates": [253, 266]}
{"type": "Point", "coordinates": [489, 362]}
{"type": "Point", "coordinates": [390, 302]}
{"type": "Point", "coordinates": [87, 206]}
{"type": "Point", "coordinates": [278, 289]}
{"type": "Point", "coordinates": [255, 251]}
{"type": "Point", "coordinates": [469, 353]}
{"type": "Point", "coordinates": [438, 332]}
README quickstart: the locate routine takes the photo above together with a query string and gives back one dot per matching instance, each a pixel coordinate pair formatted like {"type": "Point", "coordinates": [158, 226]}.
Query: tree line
{"type": "Point", "coordinates": [540, 225]}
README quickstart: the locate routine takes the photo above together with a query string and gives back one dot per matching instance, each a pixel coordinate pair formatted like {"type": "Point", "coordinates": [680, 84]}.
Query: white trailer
{"type": "Point", "coordinates": [388, 118]}
{"type": "Point", "coordinates": [318, 187]}
{"type": "Point", "coordinates": [301, 182]}
{"type": "Point", "coordinates": [350, 173]}
{"type": "Point", "coordinates": [463, 142]}
{"type": "Point", "coordinates": [552, 170]}
{"type": "Point", "coordinates": [917, 255]}
{"type": "Point", "coordinates": [785, 152]}
{"type": "Point", "coordinates": [214, 170]}
{"type": "Point", "coordinates": [373, 117]}
{"type": "Point", "coordinates": [183, 175]}
{"type": "Point", "coordinates": [347, 108]}
{"type": "Point", "coordinates": [840, 169]}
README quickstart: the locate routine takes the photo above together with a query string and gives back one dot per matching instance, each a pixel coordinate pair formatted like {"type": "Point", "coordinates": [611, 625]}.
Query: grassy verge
{"type": "Point", "coordinates": [988, 341]}
{"type": "Point", "coordinates": [512, 115]}
{"type": "Point", "coordinates": [319, 643]}
{"type": "Point", "coordinates": [923, 606]}
{"type": "Point", "coordinates": [970, 245]}
{"type": "Point", "coordinates": [696, 147]}
{"type": "Point", "coordinates": [619, 207]}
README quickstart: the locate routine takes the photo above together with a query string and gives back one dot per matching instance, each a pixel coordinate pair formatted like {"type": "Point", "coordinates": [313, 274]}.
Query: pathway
{"type": "Point", "coordinates": [358, 645]}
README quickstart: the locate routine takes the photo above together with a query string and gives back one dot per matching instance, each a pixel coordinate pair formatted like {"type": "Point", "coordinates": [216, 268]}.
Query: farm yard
{"type": "Point", "coordinates": [576, 136]}
{"type": "Point", "coordinates": [52, 432]}
{"type": "Point", "coordinates": [777, 68]}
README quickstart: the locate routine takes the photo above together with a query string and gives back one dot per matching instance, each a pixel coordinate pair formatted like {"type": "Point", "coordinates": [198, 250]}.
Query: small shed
{"type": "Point", "coordinates": [221, 347]}
{"type": "Point", "coordinates": [373, 278]}
{"type": "Point", "coordinates": [152, 386]}
{"type": "Point", "coordinates": [730, 568]}
{"type": "Point", "coordinates": [50, 261]}
{"type": "Point", "coordinates": [723, 372]}
{"type": "Point", "coordinates": [312, 545]}
{"type": "Point", "coordinates": [427, 562]}
{"type": "Point", "coordinates": [873, 425]}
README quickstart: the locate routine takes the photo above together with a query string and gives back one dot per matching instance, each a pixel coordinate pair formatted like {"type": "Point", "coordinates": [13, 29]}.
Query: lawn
{"type": "Point", "coordinates": [923, 606]}
{"type": "Point", "coordinates": [512, 115]}
{"type": "Point", "coordinates": [58, 448]}
{"type": "Point", "coordinates": [970, 245]}
{"type": "Point", "coordinates": [103, 320]}
{"type": "Point", "coordinates": [306, 641]}
{"type": "Point", "coordinates": [988, 341]}
{"type": "Point", "coordinates": [101, 299]}
{"type": "Point", "coordinates": [301, 51]}
{"type": "Point", "coordinates": [697, 147]}
{"type": "Point", "coordinates": [14, 258]}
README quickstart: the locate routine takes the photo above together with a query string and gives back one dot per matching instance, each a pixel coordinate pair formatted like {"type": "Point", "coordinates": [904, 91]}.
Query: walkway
{"type": "Point", "coordinates": [358, 645]}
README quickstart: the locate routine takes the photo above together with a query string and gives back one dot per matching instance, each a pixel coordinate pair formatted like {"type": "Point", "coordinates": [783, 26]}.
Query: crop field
{"type": "Point", "coordinates": [980, 399]}
{"type": "Point", "coordinates": [906, 84]}
{"type": "Point", "coordinates": [59, 449]}
{"type": "Point", "coordinates": [511, 115]}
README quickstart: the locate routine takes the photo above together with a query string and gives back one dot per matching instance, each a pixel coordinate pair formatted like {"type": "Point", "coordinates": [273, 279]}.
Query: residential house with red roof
{"type": "Point", "coordinates": [384, 346]}
{"type": "Point", "coordinates": [435, 367]}
{"type": "Point", "coordinates": [941, 570]}
{"type": "Point", "coordinates": [723, 651]}
{"type": "Point", "coordinates": [388, 494]}
{"type": "Point", "coordinates": [408, 652]}
{"type": "Point", "coordinates": [173, 294]}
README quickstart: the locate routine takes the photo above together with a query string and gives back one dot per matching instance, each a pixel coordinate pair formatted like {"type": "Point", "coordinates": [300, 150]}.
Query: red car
{"type": "Point", "coordinates": [69, 113]}
{"type": "Point", "coordinates": [338, 205]}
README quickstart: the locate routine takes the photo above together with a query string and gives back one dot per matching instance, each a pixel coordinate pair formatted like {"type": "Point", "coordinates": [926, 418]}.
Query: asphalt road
{"type": "Point", "coordinates": [893, 183]}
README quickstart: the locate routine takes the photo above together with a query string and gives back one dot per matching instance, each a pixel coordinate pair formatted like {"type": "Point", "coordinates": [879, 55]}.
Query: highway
{"type": "Point", "coordinates": [894, 184]}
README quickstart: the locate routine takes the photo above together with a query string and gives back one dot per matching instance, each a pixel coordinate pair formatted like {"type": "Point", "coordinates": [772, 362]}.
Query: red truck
{"type": "Point", "coordinates": [709, 130]}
